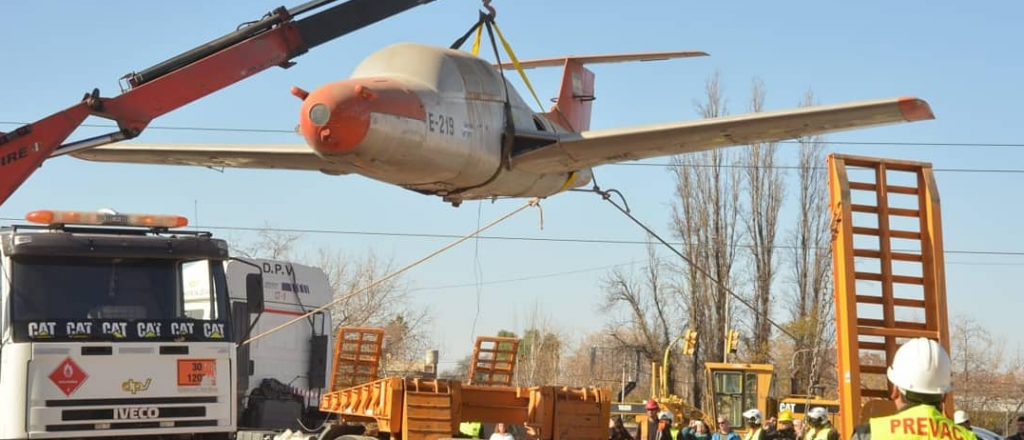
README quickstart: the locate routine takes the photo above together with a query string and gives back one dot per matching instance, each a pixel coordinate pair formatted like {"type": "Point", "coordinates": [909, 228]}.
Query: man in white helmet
{"type": "Point", "coordinates": [664, 431]}
{"type": "Point", "coordinates": [961, 418]}
{"type": "Point", "coordinates": [752, 417]}
{"type": "Point", "coordinates": [819, 427]}
{"type": "Point", "coordinates": [920, 372]}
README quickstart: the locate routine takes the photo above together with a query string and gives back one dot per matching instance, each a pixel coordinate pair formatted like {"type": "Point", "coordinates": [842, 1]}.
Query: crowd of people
{"type": "Point", "coordinates": [921, 375]}
{"type": "Point", "coordinates": [784, 427]}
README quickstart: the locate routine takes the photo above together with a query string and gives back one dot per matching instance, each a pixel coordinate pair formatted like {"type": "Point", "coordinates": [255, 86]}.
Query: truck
{"type": "Point", "coordinates": [127, 325]}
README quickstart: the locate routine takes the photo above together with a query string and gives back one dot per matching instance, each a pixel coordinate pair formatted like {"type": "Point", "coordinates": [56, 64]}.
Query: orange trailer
{"type": "Point", "coordinates": [428, 409]}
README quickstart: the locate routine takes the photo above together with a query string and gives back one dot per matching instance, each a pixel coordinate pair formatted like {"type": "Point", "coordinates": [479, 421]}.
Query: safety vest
{"type": "Point", "coordinates": [809, 432]}
{"type": "Point", "coordinates": [471, 429]}
{"type": "Point", "coordinates": [753, 435]}
{"type": "Point", "coordinates": [921, 422]}
{"type": "Point", "coordinates": [820, 434]}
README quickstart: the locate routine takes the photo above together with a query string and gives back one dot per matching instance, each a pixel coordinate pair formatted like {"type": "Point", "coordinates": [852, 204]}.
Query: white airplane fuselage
{"type": "Point", "coordinates": [430, 120]}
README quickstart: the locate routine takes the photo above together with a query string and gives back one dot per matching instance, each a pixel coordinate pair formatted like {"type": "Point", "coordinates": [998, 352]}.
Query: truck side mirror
{"type": "Point", "coordinates": [254, 292]}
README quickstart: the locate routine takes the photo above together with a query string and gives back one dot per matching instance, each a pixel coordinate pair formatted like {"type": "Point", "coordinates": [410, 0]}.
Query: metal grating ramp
{"type": "Point", "coordinates": [494, 361]}
{"type": "Point", "coordinates": [889, 273]}
{"type": "Point", "coordinates": [356, 356]}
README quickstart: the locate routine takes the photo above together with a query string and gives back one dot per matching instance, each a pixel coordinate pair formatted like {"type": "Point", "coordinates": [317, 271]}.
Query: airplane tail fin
{"type": "Point", "coordinates": [576, 94]}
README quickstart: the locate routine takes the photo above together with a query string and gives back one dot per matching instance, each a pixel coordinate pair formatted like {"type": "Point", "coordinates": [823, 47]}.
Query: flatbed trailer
{"type": "Point", "coordinates": [428, 408]}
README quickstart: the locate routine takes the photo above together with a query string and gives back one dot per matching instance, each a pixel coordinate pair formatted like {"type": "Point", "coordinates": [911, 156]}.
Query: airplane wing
{"type": "Point", "coordinates": [570, 152]}
{"type": "Point", "coordinates": [277, 156]}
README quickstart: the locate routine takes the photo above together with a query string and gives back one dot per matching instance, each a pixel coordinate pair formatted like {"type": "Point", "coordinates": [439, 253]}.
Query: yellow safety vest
{"type": "Point", "coordinates": [471, 429]}
{"type": "Point", "coordinates": [809, 432]}
{"type": "Point", "coordinates": [922, 422]}
{"type": "Point", "coordinates": [822, 434]}
{"type": "Point", "coordinates": [753, 435]}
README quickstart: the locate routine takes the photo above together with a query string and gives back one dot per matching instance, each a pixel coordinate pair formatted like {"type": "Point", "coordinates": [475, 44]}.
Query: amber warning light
{"type": "Point", "coordinates": [101, 218]}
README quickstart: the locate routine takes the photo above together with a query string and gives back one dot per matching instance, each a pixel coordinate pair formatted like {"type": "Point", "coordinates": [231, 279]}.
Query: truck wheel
{"type": "Point", "coordinates": [338, 432]}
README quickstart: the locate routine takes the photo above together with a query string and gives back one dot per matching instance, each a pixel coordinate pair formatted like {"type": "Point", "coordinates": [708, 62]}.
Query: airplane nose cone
{"type": "Point", "coordinates": [336, 117]}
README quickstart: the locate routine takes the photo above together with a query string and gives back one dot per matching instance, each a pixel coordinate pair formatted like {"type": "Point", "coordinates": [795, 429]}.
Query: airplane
{"type": "Point", "coordinates": [444, 122]}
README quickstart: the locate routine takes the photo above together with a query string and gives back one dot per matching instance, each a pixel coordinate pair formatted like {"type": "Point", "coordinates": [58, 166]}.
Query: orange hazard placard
{"type": "Point", "coordinates": [197, 372]}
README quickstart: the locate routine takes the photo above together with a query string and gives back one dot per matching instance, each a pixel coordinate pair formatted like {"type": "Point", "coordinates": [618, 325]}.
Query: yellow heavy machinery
{"type": "Point", "coordinates": [730, 389]}
{"type": "Point", "coordinates": [428, 409]}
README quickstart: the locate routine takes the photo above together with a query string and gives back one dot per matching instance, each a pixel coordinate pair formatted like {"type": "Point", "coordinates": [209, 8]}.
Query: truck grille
{"type": "Point", "coordinates": [141, 413]}
{"type": "Point", "coordinates": [129, 401]}
{"type": "Point", "coordinates": [130, 425]}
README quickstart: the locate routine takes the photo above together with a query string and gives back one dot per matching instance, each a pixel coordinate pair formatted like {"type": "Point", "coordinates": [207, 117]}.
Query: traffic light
{"type": "Point", "coordinates": [690, 343]}
{"type": "Point", "coordinates": [732, 341]}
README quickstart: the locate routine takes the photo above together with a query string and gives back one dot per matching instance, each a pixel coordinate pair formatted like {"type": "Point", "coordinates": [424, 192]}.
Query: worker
{"type": "Point", "coordinates": [470, 429]}
{"type": "Point", "coordinates": [753, 418]}
{"type": "Point", "coordinates": [698, 430]}
{"type": "Point", "coordinates": [799, 428]}
{"type": "Point", "coordinates": [664, 431]}
{"type": "Point", "coordinates": [961, 418]}
{"type": "Point", "coordinates": [920, 374]}
{"type": "Point", "coordinates": [650, 430]}
{"type": "Point", "coordinates": [501, 433]}
{"type": "Point", "coordinates": [618, 430]}
{"type": "Point", "coordinates": [818, 426]}
{"type": "Point", "coordinates": [724, 431]}
{"type": "Point", "coordinates": [786, 430]}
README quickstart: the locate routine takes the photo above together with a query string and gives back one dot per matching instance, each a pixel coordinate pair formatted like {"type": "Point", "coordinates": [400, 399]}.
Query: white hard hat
{"type": "Point", "coordinates": [753, 415]}
{"type": "Point", "coordinates": [960, 416]}
{"type": "Point", "coordinates": [921, 366]}
{"type": "Point", "coordinates": [817, 413]}
{"type": "Point", "coordinates": [665, 415]}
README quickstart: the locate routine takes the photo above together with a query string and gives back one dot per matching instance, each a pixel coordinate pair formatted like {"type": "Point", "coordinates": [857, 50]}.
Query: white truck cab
{"type": "Point", "coordinates": [112, 325]}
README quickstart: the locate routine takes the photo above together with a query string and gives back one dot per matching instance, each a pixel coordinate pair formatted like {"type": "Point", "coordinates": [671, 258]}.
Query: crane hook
{"type": "Point", "coordinates": [491, 12]}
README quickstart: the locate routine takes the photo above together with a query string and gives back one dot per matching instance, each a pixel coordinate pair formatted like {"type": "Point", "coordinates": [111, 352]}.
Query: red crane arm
{"type": "Point", "coordinates": [272, 41]}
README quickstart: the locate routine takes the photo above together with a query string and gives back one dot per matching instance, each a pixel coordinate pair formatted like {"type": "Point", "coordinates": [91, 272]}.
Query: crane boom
{"type": "Point", "coordinates": [274, 40]}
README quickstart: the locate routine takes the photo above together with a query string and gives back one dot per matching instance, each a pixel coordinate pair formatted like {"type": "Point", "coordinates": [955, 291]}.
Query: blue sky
{"type": "Point", "coordinates": [961, 57]}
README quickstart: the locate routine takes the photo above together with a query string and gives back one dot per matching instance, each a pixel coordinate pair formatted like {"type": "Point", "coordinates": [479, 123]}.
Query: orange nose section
{"type": "Point", "coordinates": [336, 117]}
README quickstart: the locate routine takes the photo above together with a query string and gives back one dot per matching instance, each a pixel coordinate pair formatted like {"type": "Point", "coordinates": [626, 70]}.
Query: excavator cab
{"type": "Point", "coordinates": [735, 388]}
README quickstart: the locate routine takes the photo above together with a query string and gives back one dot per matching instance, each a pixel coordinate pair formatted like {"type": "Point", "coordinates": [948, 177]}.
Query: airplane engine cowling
{"type": "Point", "coordinates": [401, 133]}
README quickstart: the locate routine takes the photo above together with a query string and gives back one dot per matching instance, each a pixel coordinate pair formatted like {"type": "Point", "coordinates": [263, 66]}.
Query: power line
{"type": "Point", "coordinates": [663, 165]}
{"type": "Point", "coordinates": [515, 238]}
{"type": "Point", "coordinates": [537, 239]}
{"type": "Point", "coordinates": [612, 266]}
{"type": "Point", "coordinates": [796, 167]}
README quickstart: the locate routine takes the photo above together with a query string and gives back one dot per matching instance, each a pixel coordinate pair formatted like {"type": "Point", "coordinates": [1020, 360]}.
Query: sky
{"type": "Point", "coordinates": [960, 57]}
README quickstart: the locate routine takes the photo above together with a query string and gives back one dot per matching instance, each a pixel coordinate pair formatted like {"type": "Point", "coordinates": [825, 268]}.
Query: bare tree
{"type": "Point", "coordinates": [538, 359]}
{"type": "Point", "coordinates": [385, 305]}
{"type": "Point", "coordinates": [811, 310]}
{"type": "Point", "coordinates": [271, 245]}
{"type": "Point", "coordinates": [765, 195]}
{"type": "Point", "coordinates": [705, 214]}
{"type": "Point", "coordinates": [645, 307]}
{"type": "Point", "coordinates": [977, 365]}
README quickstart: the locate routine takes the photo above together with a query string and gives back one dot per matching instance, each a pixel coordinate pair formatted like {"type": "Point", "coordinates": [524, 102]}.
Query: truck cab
{"type": "Point", "coordinates": [115, 325]}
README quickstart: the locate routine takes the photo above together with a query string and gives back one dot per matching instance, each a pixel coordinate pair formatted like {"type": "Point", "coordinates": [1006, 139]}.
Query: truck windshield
{"type": "Point", "coordinates": [75, 298]}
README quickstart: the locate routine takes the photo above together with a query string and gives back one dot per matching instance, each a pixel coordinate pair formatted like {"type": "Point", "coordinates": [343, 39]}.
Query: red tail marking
{"type": "Point", "coordinates": [572, 110]}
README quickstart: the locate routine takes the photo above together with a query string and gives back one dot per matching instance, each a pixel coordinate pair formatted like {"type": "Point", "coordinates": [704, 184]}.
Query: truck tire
{"type": "Point", "coordinates": [343, 431]}
{"type": "Point", "coordinates": [356, 437]}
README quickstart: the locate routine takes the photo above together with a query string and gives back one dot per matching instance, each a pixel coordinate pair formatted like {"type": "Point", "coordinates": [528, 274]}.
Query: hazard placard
{"type": "Point", "coordinates": [197, 372]}
{"type": "Point", "coordinates": [68, 376]}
